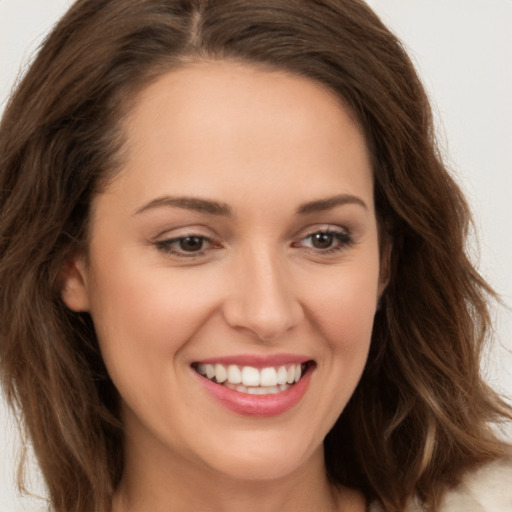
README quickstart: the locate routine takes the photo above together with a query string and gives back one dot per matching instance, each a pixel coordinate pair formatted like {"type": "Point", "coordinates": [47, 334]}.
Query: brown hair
{"type": "Point", "coordinates": [421, 414]}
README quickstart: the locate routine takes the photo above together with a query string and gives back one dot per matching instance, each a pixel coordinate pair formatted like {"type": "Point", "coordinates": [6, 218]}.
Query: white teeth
{"type": "Point", "coordinates": [282, 375]}
{"type": "Point", "coordinates": [234, 374]}
{"type": "Point", "coordinates": [237, 387]}
{"type": "Point", "coordinates": [268, 377]}
{"type": "Point", "coordinates": [290, 377]}
{"type": "Point", "coordinates": [272, 390]}
{"type": "Point", "coordinates": [250, 376]}
{"type": "Point", "coordinates": [210, 371]}
{"type": "Point", "coordinates": [221, 373]}
{"type": "Point", "coordinates": [249, 379]}
{"type": "Point", "coordinates": [298, 373]}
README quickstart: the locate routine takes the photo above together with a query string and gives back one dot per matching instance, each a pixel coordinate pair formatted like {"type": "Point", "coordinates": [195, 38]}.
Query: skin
{"type": "Point", "coordinates": [263, 143]}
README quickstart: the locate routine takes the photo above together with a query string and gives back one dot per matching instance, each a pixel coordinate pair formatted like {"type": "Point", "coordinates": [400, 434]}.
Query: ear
{"type": "Point", "coordinates": [74, 290]}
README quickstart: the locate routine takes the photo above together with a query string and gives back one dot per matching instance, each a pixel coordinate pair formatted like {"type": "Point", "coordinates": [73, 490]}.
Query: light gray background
{"type": "Point", "coordinates": [463, 50]}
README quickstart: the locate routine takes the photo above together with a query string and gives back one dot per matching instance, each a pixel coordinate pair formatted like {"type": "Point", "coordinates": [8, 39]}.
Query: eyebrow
{"type": "Point", "coordinates": [328, 203]}
{"type": "Point", "coordinates": [188, 203]}
{"type": "Point", "coordinates": [222, 209]}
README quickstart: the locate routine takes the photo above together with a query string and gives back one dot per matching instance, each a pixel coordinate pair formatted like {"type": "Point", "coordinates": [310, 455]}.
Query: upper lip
{"type": "Point", "coordinates": [256, 360]}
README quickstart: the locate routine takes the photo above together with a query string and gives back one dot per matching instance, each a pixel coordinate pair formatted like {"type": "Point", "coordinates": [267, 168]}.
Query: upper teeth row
{"type": "Point", "coordinates": [250, 376]}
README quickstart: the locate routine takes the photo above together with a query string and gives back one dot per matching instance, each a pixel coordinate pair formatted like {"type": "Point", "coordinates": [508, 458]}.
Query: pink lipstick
{"type": "Point", "coordinates": [256, 385]}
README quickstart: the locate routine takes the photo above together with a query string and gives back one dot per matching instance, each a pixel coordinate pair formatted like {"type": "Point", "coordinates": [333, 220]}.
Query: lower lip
{"type": "Point", "coordinates": [257, 405]}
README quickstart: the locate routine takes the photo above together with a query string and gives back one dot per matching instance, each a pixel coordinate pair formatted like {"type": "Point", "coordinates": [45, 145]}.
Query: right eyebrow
{"type": "Point", "coordinates": [188, 203]}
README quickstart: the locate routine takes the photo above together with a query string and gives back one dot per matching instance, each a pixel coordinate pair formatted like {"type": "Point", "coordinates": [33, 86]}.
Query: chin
{"type": "Point", "coordinates": [260, 459]}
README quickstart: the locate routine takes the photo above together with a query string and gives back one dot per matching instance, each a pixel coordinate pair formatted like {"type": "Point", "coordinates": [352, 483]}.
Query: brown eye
{"type": "Point", "coordinates": [326, 241]}
{"type": "Point", "coordinates": [191, 243]}
{"type": "Point", "coordinates": [322, 240]}
{"type": "Point", "coordinates": [186, 246]}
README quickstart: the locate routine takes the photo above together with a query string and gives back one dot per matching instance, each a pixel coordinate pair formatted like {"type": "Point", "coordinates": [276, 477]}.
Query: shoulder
{"type": "Point", "coordinates": [488, 489]}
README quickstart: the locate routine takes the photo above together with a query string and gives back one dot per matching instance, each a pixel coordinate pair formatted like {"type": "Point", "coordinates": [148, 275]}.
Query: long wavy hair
{"type": "Point", "coordinates": [421, 416]}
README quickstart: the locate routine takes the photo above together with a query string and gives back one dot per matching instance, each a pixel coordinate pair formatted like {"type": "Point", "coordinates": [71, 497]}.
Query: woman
{"type": "Point", "coordinates": [233, 265]}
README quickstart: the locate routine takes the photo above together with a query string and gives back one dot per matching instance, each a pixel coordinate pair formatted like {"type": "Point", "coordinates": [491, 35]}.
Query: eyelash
{"type": "Point", "coordinates": [343, 239]}
{"type": "Point", "coordinates": [167, 246]}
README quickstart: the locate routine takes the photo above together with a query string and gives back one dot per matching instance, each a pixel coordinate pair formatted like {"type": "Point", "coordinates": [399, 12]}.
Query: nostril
{"type": "Point", "coordinates": [265, 322]}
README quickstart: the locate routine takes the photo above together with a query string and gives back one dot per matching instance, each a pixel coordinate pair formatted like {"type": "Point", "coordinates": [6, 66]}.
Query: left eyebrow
{"type": "Point", "coordinates": [328, 203]}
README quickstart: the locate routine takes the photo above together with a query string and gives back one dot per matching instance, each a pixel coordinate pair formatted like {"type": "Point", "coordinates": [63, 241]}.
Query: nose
{"type": "Point", "coordinates": [262, 299]}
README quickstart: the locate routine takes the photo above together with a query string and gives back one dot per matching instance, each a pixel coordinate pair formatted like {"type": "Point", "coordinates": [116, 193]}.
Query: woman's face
{"type": "Point", "coordinates": [239, 241]}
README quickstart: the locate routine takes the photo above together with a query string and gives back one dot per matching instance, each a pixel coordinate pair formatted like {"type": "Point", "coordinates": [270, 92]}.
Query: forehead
{"type": "Point", "coordinates": [250, 127]}
{"type": "Point", "coordinates": [215, 93]}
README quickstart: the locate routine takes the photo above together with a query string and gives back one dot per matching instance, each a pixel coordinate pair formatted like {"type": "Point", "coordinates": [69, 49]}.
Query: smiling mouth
{"type": "Point", "coordinates": [254, 381]}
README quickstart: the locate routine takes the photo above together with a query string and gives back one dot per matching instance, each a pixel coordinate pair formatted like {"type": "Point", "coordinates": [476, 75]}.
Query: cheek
{"type": "Point", "coordinates": [144, 317]}
{"type": "Point", "coordinates": [344, 308]}
{"type": "Point", "coordinates": [144, 321]}
{"type": "Point", "coordinates": [341, 307]}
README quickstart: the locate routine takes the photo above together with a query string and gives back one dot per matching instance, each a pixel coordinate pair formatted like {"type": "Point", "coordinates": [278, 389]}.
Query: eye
{"type": "Point", "coordinates": [191, 243]}
{"type": "Point", "coordinates": [322, 240]}
{"type": "Point", "coordinates": [326, 241]}
{"type": "Point", "coordinates": [186, 246]}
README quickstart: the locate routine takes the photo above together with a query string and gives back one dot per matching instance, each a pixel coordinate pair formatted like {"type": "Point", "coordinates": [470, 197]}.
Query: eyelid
{"type": "Point", "coordinates": [166, 241]}
{"type": "Point", "coordinates": [184, 231]}
{"type": "Point", "coordinates": [166, 246]}
{"type": "Point", "coordinates": [322, 228]}
{"type": "Point", "coordinates": [343, 235]}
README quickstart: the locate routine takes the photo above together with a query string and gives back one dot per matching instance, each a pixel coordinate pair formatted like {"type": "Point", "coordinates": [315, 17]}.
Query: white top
{"type": "Point", "coordinates": [488, 489]}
